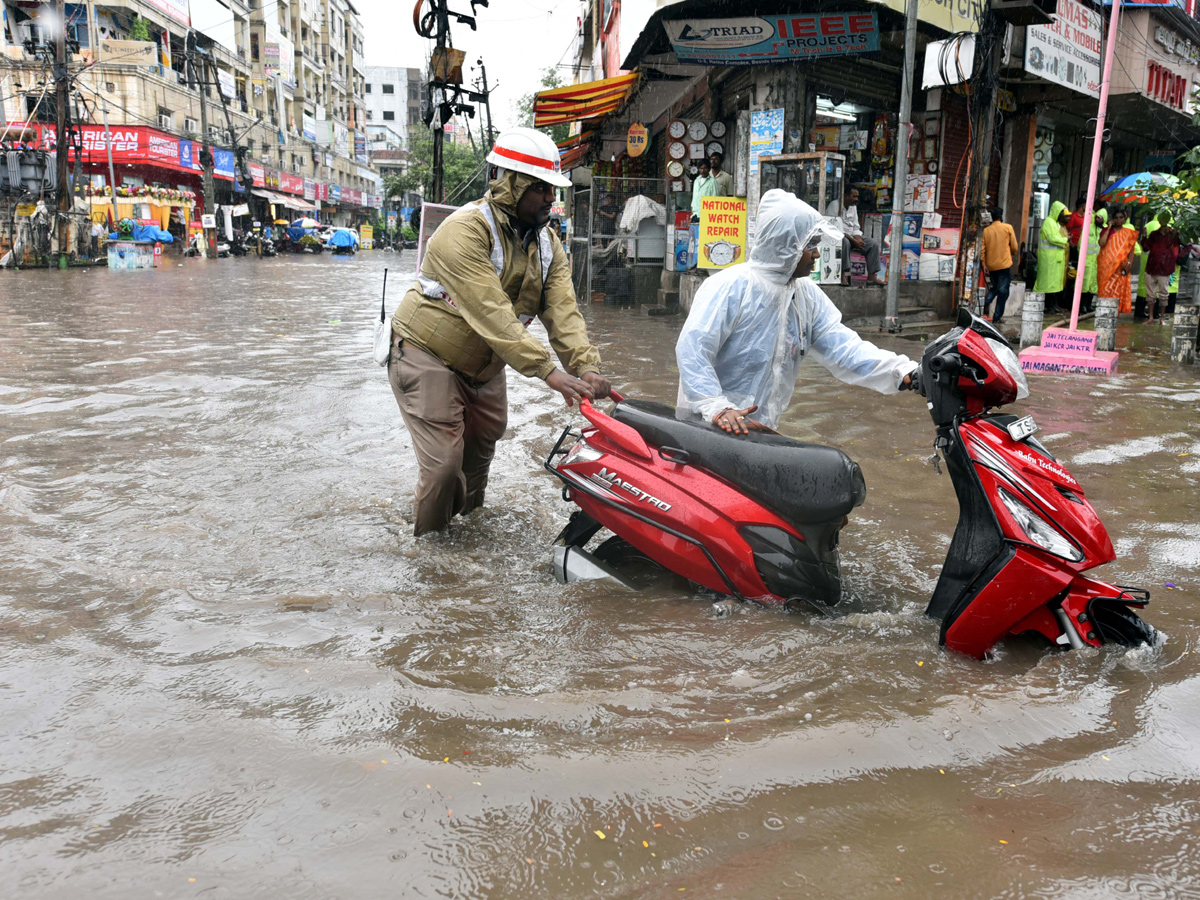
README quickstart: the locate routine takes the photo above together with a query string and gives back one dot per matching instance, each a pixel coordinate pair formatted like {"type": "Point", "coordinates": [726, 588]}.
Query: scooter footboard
{"type": "Point", "coordinates": [1017, 591]}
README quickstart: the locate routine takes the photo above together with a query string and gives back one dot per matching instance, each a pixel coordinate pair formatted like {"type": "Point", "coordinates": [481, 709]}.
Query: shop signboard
{"type": "Point", "coordinates": [129, 53]}
{"type": "Point", "coordinates": [341, 140]}
{"type": "Point", "coordinates": [322, 190]}
{"type": "Point", "coordinates": [222, 163]}
{"type": "Point", "coordinates": [391, 220]}
{"type": "Point", "coordinates": [271, 176]}
{"type": "Point", "coordinates": [360, 147]}
{"type": "Point", "coordinates": [227, 84]}
{"type": "Point", "coordinates": [335, 193]}
{"type": "Point", "coordinates": [257, 175]}
{"type": "Point", "coordinates": [1067, 51]}
{"type": "Point", "coordinates": [310, 189]}
{"type": "Point", "coordinates": [722, 236]}
{"type": "Point", "coordinates": [636, 139]}
{"type": "Point", "coordinates": [766, 135]}
{"type": "Point", "coordinates": [293, 184]}
{"type": "Point", "coordinates": [162, 146]}
{"type": "Point", "coordinates": [366, 236]}
{"type": "Point", "coordinates": [310, 128]}
{"type": "Point", "coordinates": [176, 9]}
{"type": "Point", "coordinates": [768, 40]}
{"type": "Point", "coordinates": [270, 58]}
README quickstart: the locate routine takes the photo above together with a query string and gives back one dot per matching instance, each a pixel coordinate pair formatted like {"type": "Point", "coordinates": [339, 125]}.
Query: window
{"type": "Point", "coordinates": [389, 116]}
{"type": "Point", "coordinates": [369, 115]}
{"type": "Point", "coordinates": [389, 89]}
{"type": "Point", "coordinates": [368, 88]}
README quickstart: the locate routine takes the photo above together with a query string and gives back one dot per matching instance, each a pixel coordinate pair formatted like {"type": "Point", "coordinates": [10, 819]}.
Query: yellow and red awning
{"type": "Point", "coordinates": [574, 149]}
{"type": "Point", "coordinates": [581, 101]}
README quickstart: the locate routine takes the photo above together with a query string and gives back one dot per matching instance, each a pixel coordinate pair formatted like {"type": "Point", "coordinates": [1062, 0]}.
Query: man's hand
{"type": "Point", "coordinates": [734, 421]}
{"type": "Point", "coordinates": [856, 241]}
{"type": "Point", "coordinates": [598, 383]}
{"type": "Point", "coordinates": [572, 388]}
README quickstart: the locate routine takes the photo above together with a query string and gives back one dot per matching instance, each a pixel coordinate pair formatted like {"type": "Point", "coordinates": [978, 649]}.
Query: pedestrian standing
{"type": "Point", "coordinates": [1162, 256]}
{"type": "Point", "coordinates": [1118, 244]}
{"type": "Point", "coordinates": [488, 271]}
{"type": "Point", "coordinates": [999, 251]}
{"type": "Point", "coordinates": [1090, 278]}
{"type": "Point", "coordinates": [1052, 256]}
{"type": "Point", "coordinates": [723, 179]}
{"type": "Point", "coordinates": [704, 186]}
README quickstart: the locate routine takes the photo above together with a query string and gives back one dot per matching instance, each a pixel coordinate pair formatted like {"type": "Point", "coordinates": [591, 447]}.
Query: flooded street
{"type": "Point", "coordinates": [227, 669]}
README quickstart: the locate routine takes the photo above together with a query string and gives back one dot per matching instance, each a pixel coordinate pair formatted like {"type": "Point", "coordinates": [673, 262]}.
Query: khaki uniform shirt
{"type": "Point", "coordinates": [473, 319]}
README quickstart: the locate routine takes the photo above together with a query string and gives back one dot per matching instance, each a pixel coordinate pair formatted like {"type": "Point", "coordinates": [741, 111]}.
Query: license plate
{"type": "Point", "coordinates": [1022, 428]}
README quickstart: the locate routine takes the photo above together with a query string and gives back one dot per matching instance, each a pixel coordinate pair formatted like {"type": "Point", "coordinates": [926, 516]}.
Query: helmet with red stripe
{"type": "Point", "coordinates": [529, 151]}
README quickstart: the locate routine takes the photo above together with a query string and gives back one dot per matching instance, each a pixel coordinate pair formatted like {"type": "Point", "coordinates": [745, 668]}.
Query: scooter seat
{"type": "Point", "coordinates": [800, 482]}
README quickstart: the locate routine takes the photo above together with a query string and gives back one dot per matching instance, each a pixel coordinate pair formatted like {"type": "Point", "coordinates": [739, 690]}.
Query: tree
{"type": "Point", "coordinates": [464, 172]}
{"type": "Point", "coordinates": [550, 79]}
{"type": "Point", "coordinates": [139, 30]}
{"type": "Point", "coordinates": [1179, 198]}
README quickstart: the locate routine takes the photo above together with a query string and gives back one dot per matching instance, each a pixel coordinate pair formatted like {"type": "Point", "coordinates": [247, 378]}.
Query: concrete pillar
{"type": "Point", "coordinates": [1183, 333]}
{"type": "Point", "coordinates": [1106, 322]}
{"type": "Point", "coordinates": [1031, 318]}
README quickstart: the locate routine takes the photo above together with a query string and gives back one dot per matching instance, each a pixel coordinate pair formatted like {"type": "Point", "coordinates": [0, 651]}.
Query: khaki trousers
{"type": "Point", "coordinates": [454, 428]}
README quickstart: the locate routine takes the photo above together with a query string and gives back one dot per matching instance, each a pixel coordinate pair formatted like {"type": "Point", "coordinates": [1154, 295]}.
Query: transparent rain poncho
{"type": "Point", "coordinates": [751, 325]}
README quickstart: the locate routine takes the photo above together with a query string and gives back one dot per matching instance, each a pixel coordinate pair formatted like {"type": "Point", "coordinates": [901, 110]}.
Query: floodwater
{"type": "Point", "coordinates": [227, 669]}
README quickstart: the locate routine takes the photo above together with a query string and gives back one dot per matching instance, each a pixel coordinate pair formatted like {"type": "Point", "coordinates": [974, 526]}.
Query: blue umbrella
{"type": "Point", "coordinates": [1131, 188]}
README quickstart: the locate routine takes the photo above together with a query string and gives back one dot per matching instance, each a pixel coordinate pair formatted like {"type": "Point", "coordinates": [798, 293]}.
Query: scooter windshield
{"type": "Point", "coordinates": [1011, 364]}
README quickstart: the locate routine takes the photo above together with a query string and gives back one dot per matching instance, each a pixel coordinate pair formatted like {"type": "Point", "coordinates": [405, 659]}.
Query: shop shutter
{"type": "Point", "coordinates": [956, 139]}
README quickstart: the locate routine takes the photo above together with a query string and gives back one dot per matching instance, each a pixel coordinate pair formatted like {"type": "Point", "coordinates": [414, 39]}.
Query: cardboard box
{"type": "Point", "coordinates": [858, 267]}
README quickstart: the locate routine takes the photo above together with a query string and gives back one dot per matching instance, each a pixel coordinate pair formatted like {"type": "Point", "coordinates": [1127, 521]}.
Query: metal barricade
{"type": "Point", "coordinates": [628, 233]}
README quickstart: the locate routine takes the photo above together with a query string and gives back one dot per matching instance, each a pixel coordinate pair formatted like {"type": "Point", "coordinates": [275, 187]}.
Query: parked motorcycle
{"type": "Point", "coordinates": [237, 244]}
{"type": "Point", "coordinates": [264, 246]}
{"type": "Point", "coordinates": [757, 517]}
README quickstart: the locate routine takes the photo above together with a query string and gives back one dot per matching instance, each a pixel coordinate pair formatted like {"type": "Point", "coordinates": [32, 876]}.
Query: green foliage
{"type": "Point", "coordinates": [550, 79]}
{"type": "Point", "coordinates": [139, 30]}
{"type": "Point", "coordinates": [1181, 199]}
{"type": "Point", "coordinates": [408, 233]}
{"type": "Point", "coordinates": [464, 174]}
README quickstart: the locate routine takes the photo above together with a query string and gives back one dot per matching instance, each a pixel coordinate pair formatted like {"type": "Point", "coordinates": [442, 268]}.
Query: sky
{"type": "Point", "coordinates": [518, 40]}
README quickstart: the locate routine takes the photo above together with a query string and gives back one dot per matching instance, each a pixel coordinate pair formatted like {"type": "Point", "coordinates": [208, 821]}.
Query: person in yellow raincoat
{"type": "Point", "coordinates": [489, 270]}
{"type": "Point", "coordinates": [1052, 256]}
{"type": "Point", "coordinates": [1090, 278]}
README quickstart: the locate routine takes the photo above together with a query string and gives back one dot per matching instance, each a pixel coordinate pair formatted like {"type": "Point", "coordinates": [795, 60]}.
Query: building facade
{"type": "Point", "coordinates": [393, 98]}
{"type": "Point", "coordinates": [284, 78]}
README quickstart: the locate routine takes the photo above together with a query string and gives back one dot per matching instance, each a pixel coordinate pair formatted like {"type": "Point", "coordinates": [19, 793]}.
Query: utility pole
{"type": "Point", "coordinates": [1097, 144]}
{"type": "Point", "coordinates": [896, 252]}
{"type": "Point", "coordinates": [206, 156]}
{"type": "Point", "coordinates": [487, 105]}
{"type": "Point", "coordinates": [112, 178]}
{"type": "Point", "coordinates": [443, 31]}
{"type": "Point", "coordinates": [62, 101]}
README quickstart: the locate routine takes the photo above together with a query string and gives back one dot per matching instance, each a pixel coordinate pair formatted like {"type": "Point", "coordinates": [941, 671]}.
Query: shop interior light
{"type": "Point", "coordinates": [828, 109]}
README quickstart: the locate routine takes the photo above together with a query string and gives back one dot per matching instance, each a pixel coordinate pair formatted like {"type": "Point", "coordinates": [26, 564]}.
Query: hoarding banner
{"type": "Point", "coordinates": [227, 83]}
{"type": "Point", "coordinates": [129, 53]}
{"type": "Point", "coordinates": [762, 40]}
{"type": "Point", "coordinates": [176, 9]}
{"type": "Point", "coordinates": [293, 184]}
{"type": "Point", "coordinates": [310, 128]}
{"type": "Point", "coordinates": [722, 240]}
{"type": "Point", "coordinates": [1067, 51]}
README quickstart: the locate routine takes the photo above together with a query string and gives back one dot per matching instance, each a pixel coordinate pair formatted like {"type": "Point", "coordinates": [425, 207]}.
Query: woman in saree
{"type": "Point", "coordinates": [1117, 245]}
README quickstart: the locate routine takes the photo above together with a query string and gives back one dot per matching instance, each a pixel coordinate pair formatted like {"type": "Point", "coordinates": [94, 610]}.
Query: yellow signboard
{"type": "Point", "coordinates": [129, 53]}
{"type": "Point", "coordinates": [948, 15]}
{"type": "Point", "coordinates": [722, 232]}
{"type": "Point", "coordinates": [636, 139]}
{"type": "Point", "coordinates": [367, 237]}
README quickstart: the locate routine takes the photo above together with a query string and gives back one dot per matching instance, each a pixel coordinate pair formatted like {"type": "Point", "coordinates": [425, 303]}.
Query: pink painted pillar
{"type": "Point", "coordinates": [1110, 45]}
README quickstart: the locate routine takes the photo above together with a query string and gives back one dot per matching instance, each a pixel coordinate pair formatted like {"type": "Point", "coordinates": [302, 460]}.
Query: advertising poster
{"type": "Point", "coordinates": [1067, 51]}
{"type": "Point", "coordinates": [761, 40]}
{"type": "Point", "coordinates": [722, 241]}
{"type": "Point", "coordinates": [766, 135]}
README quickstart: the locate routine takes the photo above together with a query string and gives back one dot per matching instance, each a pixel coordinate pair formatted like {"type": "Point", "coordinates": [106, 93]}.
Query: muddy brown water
{"type": "Point", "coordinates": [227, 669]}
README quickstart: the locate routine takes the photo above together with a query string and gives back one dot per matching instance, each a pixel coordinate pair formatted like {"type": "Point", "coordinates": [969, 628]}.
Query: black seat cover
{"type": "Point", "coordinates": [802, 483]}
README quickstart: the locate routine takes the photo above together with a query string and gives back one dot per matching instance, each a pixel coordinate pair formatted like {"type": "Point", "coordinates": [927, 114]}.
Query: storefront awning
{"type": "Point", "coordinates": [589, 100]}
{"type": "Point", "coordinates": [289, 202]}
{"type": "Point", "coordinates": [574, 149]}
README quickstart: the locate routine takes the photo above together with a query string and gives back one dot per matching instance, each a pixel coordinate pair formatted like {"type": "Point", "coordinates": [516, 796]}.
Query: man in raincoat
{"type": "Point", "coordinates": [752, 324]}
{"type": "Point", "coordinates": [488, 271]}
{"type": "Point", "coordinates": [1052, 256]}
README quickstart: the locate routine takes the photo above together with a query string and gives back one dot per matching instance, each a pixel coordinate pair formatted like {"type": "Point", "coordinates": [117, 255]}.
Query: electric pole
{"type": "Point", "coordinates": [896, 252]}
{"type": "Point", "coordinates": [443, 32]}
{"type": "Point", "coordinates": [487, 105]}
{"type": "Point", "coordinates": [206, 156]}
{"type": "Point", "coordinates": [62, 102]}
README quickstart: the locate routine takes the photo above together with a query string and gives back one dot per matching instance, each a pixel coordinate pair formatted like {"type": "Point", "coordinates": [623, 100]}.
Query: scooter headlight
{"type": "Point", "coordinates": [581, 452]}
{"type": "Point", "coordinates": [1039, 531]}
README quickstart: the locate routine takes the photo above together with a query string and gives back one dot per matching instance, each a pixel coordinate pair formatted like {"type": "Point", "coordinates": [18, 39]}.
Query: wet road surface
{"type": "Point", "coordinates": [227, 669]}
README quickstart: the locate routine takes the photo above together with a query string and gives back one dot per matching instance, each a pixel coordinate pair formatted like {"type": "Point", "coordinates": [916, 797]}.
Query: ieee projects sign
{"type": "Point", "coordinates": [762, 40]}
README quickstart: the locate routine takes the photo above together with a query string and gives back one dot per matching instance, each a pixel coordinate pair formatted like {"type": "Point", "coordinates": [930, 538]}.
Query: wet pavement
{"type": "Point", "coordinates": [227, 669]}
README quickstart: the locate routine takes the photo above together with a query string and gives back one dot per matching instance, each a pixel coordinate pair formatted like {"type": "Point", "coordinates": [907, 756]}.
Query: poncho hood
{"type": "Point", "coordinates": [784, 226]}
{"type": "Point", "coordinates": [507, 189]}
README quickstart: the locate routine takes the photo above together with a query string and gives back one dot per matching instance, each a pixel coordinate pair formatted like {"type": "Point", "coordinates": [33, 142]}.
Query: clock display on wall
{"type": "Point", "coordinates": [717, 129]}
{"type": "Point", "coordinates": [676, 150]}
{"type": "Point", "coordinates": [677, 128]}
{"type": "Point", "coordinates": [697, 131]}
{"type": "Point", "coordinates": [675, 168]}
{"type": "Point", "coordinates": [715, 147]}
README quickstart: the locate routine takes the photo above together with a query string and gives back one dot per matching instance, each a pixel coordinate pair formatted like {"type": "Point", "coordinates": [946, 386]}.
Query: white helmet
{"type": "Point", "coordinates": [529, 151]}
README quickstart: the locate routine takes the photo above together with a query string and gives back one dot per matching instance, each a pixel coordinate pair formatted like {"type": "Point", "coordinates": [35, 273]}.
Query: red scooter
{"type": "Point", "coordinates": [757, 517]}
